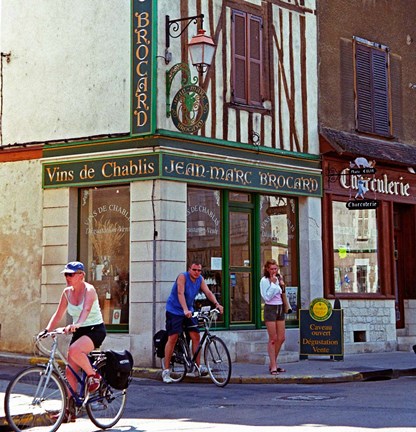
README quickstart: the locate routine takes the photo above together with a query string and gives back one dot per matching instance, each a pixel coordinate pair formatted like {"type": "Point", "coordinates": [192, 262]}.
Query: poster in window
{"type": "Point", "coordinates": [292, 296]}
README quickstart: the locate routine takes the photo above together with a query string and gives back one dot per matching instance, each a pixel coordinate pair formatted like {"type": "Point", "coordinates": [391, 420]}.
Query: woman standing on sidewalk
{"type": "Point", "coordinates": [271, 288]}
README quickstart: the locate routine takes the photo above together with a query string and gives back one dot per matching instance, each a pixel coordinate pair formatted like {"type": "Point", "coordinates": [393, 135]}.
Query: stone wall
{"type": "Point", "coordinates": [369, 325]}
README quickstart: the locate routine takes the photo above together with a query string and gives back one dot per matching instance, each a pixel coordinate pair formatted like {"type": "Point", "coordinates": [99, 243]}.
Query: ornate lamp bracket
{"type": "Point", "coordinates": [172, 26]}
{"type": "Point", "coordinates": [187, 79]}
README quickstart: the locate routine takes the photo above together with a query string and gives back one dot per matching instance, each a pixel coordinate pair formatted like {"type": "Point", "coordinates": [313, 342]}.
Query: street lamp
{"type": "Point", "coordinates": [201, 49]}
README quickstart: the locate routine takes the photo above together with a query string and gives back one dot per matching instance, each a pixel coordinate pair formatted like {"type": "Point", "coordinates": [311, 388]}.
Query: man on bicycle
{"type": "Point", "coordinates": [179, 308]}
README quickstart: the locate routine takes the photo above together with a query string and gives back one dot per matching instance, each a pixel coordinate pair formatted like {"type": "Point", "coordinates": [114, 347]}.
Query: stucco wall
{"type": "Point", "coordinates": [68, 74]}
{"type": "Point", "coordinates": [20, 253]}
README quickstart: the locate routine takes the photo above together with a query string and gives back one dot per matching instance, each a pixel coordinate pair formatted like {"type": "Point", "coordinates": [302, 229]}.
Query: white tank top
{"type": "Point", "coordinates": [94, 317]}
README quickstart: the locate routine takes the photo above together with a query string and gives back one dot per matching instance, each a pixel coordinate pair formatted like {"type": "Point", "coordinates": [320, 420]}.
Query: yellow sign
{"type": "Point", "coordinates": [320, 309]}
{"type": "Point", "coordinates": [342, 252]}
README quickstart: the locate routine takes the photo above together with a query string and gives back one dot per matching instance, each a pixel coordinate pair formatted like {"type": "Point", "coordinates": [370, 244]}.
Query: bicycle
{"type": "Point", "coordinates": [37, 396]}
{"type": "Point", "coordinates": [216, 355]}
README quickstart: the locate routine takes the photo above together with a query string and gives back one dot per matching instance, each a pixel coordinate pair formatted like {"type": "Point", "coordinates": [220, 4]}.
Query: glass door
{"type": "Point", "coordinates": [240, 266]}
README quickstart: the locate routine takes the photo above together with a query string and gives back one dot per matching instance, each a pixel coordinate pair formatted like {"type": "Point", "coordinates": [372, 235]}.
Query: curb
{"type": "Point", "coordinates": [156, 374]}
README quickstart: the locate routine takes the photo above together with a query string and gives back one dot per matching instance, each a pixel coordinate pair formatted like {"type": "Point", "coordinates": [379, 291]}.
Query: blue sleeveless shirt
{"type": "Point", "coordinates": [191, 290]}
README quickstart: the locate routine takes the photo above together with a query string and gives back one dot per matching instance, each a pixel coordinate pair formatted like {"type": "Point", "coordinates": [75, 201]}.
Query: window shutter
{"type": "Point", "coordinates": [255, 60]}
{"type": "Point", "coordinates": [239, 57]}
{"type": "Point", "coordinates": [363, 75]}
{"type": "Point", "coordinates": [372, 90]}
{"type": "Point", "coordinates": [381, 104]}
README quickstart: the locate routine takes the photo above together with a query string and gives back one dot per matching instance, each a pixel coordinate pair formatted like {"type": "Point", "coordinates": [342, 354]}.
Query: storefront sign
{"type": "Point", "coordinates": [142, 80]}
{"type": "Point", "coordinates": [99, 171]}
{"type": "Point", "coordinates": [362, 205]}
{"type": "Point", "coordinates": [191, 170]}
{"type": "Point", "coordinates": [245, 176]}
{"type": "Point", "coordinates": [378, 184]}
{"type": "Point", "coordinates": [189, 109]}
{"type": "Point", "coordinates": [369, 183]}
{"type": "Point", "coordinates": [321, 330]}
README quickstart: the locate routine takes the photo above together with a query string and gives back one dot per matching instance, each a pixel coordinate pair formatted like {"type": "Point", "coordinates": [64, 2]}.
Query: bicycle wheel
{"type": "Point", "coordinates": [33, 400]}
{"type": "Point", "coordinates": [218, 361]}
{"type": "Point", "coordinates": [106, 406]}
{"type": "Point", "coordinates": [178, 368]}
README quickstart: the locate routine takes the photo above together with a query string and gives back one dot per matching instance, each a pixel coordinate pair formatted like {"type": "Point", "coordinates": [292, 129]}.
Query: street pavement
{"type": "Point", "coordinates": [314, 370]}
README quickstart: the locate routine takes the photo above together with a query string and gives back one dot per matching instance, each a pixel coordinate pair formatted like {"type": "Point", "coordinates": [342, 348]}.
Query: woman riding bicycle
{"type": "Point", "coordinates": [80, 300]}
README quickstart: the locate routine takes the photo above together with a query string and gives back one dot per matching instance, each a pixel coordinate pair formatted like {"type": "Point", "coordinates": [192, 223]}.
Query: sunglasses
{"type": "Point", "coordinates": [197, 270]}
{"type": "Point", "coordinates": [70, 274]}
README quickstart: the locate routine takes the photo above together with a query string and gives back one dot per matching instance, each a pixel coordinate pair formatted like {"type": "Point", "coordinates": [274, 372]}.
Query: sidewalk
{"type": "Point", "coordinates": [316, 370]}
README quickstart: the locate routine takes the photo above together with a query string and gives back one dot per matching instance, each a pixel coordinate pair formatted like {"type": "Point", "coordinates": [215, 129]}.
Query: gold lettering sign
{"type": "Point", "coordinates": [241, 175]}
{"type": "Point", "coordinates": [142, 67]}
{"type": "Point", "coordinates": [188, 169]}
{"type": "Point", "coordinates": [98, 171]}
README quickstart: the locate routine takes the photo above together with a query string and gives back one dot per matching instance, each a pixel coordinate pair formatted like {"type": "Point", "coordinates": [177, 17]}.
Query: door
{"type": "Point", "coordinates": [404, 237]}
{"type": "Point", "coordinates": [240, 266]}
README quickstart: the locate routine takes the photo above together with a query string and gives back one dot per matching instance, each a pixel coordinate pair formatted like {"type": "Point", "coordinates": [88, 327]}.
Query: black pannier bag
{"type": "Point", "coordinates": [159, 342]}
{"type": "Point", "coordinates": [118, 368]}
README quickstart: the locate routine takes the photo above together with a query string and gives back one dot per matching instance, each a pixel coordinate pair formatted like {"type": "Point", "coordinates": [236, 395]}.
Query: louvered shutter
{"type": "Point", "coordinates": [255, 60]}
{"type": "Point", "coordinates": [363, 75]}
{"type": "Point", "coordinates": [381, 101]}
{"type": "Point", "coordinates": [372, 90]}
{"type": "Point", "coordinates": [239, 57]}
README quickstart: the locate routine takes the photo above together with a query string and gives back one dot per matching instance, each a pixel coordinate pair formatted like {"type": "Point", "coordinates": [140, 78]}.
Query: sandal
{"type": "Point", "coordinates": [274, 372]}
{"type": "Point", "coordinates": [279, 369]}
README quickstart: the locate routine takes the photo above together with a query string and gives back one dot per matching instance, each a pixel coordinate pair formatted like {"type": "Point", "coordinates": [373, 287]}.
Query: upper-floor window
{"type": "Point", "coordinates": [247, 58]}
{"type": "Point", "coordinates": [372, 77]}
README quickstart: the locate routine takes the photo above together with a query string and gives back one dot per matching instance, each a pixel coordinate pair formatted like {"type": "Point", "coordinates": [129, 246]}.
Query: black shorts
{"type": "Point", "coordinates": [273, 313]}
{"type": "Point", "coordinates": [96, 333]}
{"type": "Point", "coordinates": [175, 323]}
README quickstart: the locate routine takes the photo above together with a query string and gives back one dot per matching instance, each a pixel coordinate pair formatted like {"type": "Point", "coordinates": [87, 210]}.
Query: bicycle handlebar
{"type": "Point", "coordinates": [206, 316]}
{"type": "Point", "coordinates": [45, 333]}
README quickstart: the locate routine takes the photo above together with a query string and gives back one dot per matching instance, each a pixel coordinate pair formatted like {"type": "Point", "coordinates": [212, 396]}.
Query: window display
{"type": "Point", "coordinates": [204, 238]}
{"type": "Point", "coordinates": [104, 248]}
{"type": "Point", "coordinates": [355, 250]}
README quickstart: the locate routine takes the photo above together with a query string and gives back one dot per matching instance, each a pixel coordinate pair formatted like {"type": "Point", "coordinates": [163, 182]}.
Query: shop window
{"type": "Point", "coordinates": [362, 225]}
{"type": "Point", "coordinates": [240, 197]}
{"type": "Point", "coordinates": [355, 239]}
{"type": "Point", "coordinates": [247, 58]}
{"type": "Point", "coordinates": [104, 249]}
{"type": "Point", "coordinates": [204, 238]}
{"type": "Point", "coordinates": [372, 87]}
{"type": "Point", "coordinates": [278, 240]}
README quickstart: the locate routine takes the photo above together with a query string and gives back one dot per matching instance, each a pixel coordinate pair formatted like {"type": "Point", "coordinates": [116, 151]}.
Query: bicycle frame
{"type": "Point", "coordinates": [40, 396]}
{"type": "Point", "coordinates": [206, 335]}
{"type": "Point", "coordinates": [53, 364]}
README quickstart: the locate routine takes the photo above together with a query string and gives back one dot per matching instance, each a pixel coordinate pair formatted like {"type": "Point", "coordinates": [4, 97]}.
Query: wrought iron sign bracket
{"type": "Point", "coordinates": [172, 29]}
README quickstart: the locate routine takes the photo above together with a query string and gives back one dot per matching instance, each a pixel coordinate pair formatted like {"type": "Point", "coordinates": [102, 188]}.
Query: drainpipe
{"type": "Point", "coordinates": [155, 234]}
